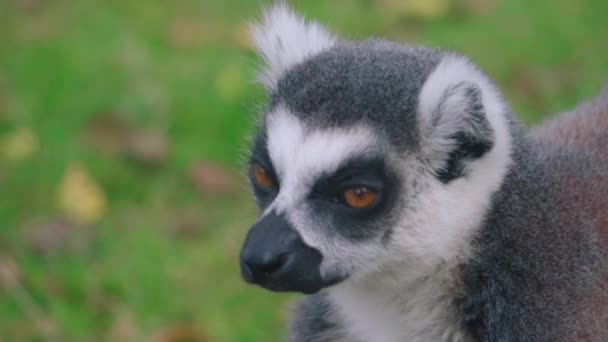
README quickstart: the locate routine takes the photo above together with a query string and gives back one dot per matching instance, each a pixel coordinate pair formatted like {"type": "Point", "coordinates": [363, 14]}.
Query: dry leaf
{"type": "Point", "coordinates": [180, 333]}
{"type": "Point", "coordinates": [185, 223]}
{"type": "Point", "coordinates": [212, 179]}
{"type": "Point", "coordinates": [425, 9]}
{"type": "Point", "coordinates": [114, 136]}
{"type": "Point", "coordinates": [242, 38]}
{"type": "Point", "coordinates": [80, 197]}
{"type": "Point", "coordinates": [184, 32]}
{"type": "Point", "coordinates": [481, 7]}
{"type": "Point", "coordinates": [526, 83]}
{"type": "Point", "coordinates": [20, 145]}
{"type": "Point", "coordinates": [150, 148]}
{"type": "Point", "coordinates": [29, 4]}
{"type": "Point", "coordinates": [108, 133]}
{"type": "Point", "coordinates": [49, 237]}
{"type": "Point", "coordinates": [10, 273]}
{"type": "Point", "coordinates": [124, 328]}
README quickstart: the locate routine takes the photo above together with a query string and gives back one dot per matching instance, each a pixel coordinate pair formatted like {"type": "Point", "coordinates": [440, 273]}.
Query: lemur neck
{"type": "Point", "coordinates": [400, 306]}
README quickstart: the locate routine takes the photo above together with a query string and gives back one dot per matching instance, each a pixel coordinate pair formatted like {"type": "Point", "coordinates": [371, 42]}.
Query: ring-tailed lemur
{"type": "Point", "coordinates": [399, 192]}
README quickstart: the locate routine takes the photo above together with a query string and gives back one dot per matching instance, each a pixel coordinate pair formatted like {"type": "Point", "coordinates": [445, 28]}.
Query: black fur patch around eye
{"type": "Point", "coordinates": [352, 223]}
{"type": "Point", "coordinates": [260, 155]}
{"type": "Point", "coordinates": [362, 172]}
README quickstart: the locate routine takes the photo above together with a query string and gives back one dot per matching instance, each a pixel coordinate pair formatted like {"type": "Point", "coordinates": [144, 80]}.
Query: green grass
{"type": "Point", "coordinates": [184, 69]}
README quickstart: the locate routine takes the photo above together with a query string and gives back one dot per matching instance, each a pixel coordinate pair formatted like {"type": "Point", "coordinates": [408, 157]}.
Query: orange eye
{"type": "Point", "coordinates": [262, 177]}
{"type": "Point", "coordinates": [360, 198]}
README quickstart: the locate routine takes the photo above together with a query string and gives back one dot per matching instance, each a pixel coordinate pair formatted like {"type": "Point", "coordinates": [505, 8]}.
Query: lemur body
{"type": "Point", "coordinates": [539, 273]}
{"type": "Point", "coordinates": [585, 128]}
{"type": "Point", "coordinates": [400, 193]}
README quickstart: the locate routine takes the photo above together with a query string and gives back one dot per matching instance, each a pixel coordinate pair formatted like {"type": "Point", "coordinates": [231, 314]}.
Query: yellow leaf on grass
{"type": "Point", "coordinates": [19, 145]}
{"type": "Point", "coordinates": [425, 9]}
{"type": "Point", "coordinates": [80, 197]}
{"type": "Point", "coordinates": [242, 38]}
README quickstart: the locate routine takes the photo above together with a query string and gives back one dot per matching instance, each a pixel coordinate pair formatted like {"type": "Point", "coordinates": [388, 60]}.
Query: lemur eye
{"type": "Point", "coordinates": [262, 177]}
{"type": "Point", "coordinates": [360, 198]}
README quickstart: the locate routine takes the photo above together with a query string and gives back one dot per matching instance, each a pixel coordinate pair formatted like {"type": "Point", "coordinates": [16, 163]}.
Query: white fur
{"type": "Point", "coordinates": [448, 215]}
{"type": "Point", "coordinates": [300, 155]}
{"type": "Point", "coordinates": [408, 298]}
{"type": "Point", "coordinates": [398, 306]}
{"type": "Point", "coordinates": [285, 39]}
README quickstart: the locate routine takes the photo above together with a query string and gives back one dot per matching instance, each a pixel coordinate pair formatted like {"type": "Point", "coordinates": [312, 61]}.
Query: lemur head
{"type": "Point", "coordinates": [370, 155]}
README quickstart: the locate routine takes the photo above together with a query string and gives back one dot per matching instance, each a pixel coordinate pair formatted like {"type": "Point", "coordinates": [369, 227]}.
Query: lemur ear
{"type": "Point", "coordinates": [460, 112]}
{"type": "Point", "coordinates": [461, 125]}
{"type": "Point", "coordinates": [284, 39]}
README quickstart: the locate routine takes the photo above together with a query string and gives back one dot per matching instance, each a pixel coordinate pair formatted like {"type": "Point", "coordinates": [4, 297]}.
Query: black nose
{"type": "Point", "coordinates": [258, 268]}
{"type": "Point", "coordinates": [275, 257]}
{"type": "Point", "coordinates": [269, 242]}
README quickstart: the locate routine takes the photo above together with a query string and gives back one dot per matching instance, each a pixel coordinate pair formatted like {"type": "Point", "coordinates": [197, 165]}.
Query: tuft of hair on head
{"type": "Point", "coordinates": [463, 118]}
{"type": "Point", "coordinates": [284, 39]}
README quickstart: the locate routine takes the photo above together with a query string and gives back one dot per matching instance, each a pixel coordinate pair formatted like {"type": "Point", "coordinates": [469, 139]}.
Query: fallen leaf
{"type": "Point", "coordinates": [481, 7]}
{"type": "Point", "coordinates": [29, 5]}
{"type": "Point", "coordinates": [10, 273]}
{"type": "Point", "coordinates": [242, 38]}
{"type": "Point", "coordinates": [185, 32]}
{"type": "Point", "coordinates": [185, 223]}
{"type": "Point", "coordinates": [150, 147]}
{"type": "Point", "coordinates": [115, 136]}
{"type": "Point", "coordinates": [19, 145]}
{"type": "Point", "coordinates": [525, 80]}
{"type": "Point", "coordinates": [80, 197]}
{"type": "Point", "coordinates": [424, 9]}
{"type": "Point", "coordinates": [213, 179]}
{"type": "Point", "coordinates": [55, 236]}
{"type": "Point", "coordinates": [180, 333]}
{"type": "Point", "coordinates": [124, 328]}
{"type": "Point", "coordinates": [108, 132]}
{"type": "Point", "coordinates": [32, 329]}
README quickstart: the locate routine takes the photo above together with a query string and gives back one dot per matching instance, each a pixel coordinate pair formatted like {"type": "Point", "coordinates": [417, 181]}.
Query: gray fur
{"type": "Point", "coordinates": [541, 258]}
{"type": "Point", "coordinates": [316, 321]}
{"type": "Point", "coordinates": [374, 82]}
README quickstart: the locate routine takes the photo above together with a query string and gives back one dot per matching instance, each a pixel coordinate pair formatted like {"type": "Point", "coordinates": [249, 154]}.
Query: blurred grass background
{"type": "Point", "coordinates": [122, 124]}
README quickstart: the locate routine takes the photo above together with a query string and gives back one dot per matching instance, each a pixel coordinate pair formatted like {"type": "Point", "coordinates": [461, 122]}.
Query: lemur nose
{"type": "Point", "coordinates": [270, 244]}
{"type": "Point", "coordinates": [275, 257]}
{"type": "Point", "coordinates": [257, 269]}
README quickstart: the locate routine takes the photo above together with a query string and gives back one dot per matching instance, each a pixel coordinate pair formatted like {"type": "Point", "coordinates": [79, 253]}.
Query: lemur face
{"type": "Point", "coordinates": [329, 199]}
{"type": "Point", "coordinates": [370, 154]}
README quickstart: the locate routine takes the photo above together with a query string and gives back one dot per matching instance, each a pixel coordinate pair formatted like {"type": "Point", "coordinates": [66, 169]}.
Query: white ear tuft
{"type": "Point", "coordinates": [462, 118]}
{"type": "Point", "coordinates": [451, 71]}
{"type": "Point", "coordinates": [285, 39]}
